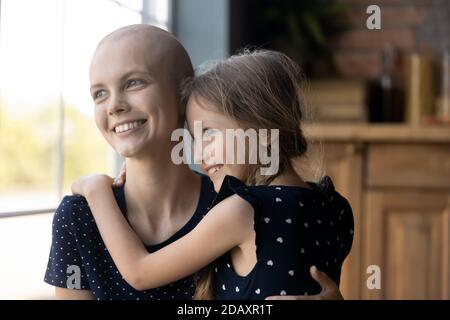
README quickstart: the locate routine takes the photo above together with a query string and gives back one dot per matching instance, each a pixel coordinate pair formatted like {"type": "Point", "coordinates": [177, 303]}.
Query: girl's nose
{"type": "Point", "coordinates": [209, 153]}
{"type": "Point", "coordinates": [198, 151]}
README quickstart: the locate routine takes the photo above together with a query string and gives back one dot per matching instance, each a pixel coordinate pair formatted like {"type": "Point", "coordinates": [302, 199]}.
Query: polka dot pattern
{"type": "Point", "coordinates": [295, 228]}
{"type": "Point", "coordinates": [76, 241]}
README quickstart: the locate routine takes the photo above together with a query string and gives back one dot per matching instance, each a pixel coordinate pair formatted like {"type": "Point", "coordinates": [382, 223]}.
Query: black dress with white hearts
{"type": "Point", "coordinates": [295, 228]}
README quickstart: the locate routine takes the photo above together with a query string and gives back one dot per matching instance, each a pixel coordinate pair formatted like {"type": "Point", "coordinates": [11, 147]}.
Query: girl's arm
{"type": "Point", "coordinates": [227, 225]}
{"type": "Point", "coordinates": [330, 290]}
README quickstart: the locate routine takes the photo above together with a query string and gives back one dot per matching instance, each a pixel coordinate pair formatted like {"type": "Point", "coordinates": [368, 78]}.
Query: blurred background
{"type": "Point", "coordinates": [377, 106]}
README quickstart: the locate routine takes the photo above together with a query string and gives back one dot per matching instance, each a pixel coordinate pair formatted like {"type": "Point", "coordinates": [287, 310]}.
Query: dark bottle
{"type": "Point", "coordinates": [385, 97]}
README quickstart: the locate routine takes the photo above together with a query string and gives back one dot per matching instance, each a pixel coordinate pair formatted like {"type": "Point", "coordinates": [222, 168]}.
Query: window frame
{"type": "Point", "coordinates": [146, 18]}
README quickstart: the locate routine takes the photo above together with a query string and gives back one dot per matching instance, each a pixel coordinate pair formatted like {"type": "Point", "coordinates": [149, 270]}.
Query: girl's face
{"type": "Point", "coordinates": [211, 150]}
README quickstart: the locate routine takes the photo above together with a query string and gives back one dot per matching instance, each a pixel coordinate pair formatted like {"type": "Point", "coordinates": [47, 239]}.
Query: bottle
{"type": "Point", "coordinates": [386, 96]}
{"type": "Point", "coordinates": [419, 88]}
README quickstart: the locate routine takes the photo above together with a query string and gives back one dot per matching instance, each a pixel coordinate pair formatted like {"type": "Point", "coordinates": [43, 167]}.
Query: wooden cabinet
{"type": "Point", "coordinates": [407, 235]}
{"type": "Point", "coordinates": [397, 180]}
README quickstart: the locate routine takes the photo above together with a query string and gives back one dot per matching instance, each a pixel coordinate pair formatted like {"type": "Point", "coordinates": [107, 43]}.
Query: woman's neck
{"type": "Point", "coordinates": [159, 189]}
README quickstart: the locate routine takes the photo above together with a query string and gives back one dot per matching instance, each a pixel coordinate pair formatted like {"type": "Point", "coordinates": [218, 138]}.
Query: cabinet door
{"type": "Point", "coordinates": [343, 163]}
{"type": "Point", "coordinates": [406, 234]}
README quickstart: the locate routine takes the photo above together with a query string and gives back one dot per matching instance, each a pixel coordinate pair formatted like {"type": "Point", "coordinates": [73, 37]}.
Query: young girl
{"type": "Point", "coordinates": [263, 232]}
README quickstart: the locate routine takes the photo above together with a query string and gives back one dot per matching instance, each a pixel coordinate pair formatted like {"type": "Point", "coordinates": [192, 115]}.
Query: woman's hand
{"type": "Point", "coordinates": [87, 185]}
{"type": "Point", "coordinates": [120, 179]}
{"type": "Point", "coordinates": [330, 290]}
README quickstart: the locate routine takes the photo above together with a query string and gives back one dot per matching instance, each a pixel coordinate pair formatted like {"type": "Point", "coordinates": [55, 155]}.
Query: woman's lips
{"type": "Point", "coordinates": [129, 127]}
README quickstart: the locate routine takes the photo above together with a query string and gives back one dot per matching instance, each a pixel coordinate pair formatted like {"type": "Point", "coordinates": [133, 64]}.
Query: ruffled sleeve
{"type": "Point", "coordinates": [232, 185]}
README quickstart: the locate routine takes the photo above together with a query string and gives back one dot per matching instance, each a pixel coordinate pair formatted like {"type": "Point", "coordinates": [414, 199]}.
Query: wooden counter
{"type": "Point", "coordinates": [378, 133]}
{"type": "Point", "coordinates": [397, 180]}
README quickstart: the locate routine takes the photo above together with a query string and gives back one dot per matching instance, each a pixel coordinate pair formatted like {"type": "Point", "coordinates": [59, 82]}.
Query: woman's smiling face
{"type": "Point", "coordinates": [211, 150]}
{"type": "Point", "coordinates": [136, 103]}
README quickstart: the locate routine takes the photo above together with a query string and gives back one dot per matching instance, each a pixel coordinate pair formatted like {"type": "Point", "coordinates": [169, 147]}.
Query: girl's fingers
{"type": "Point", "coordinates": [118, 182]}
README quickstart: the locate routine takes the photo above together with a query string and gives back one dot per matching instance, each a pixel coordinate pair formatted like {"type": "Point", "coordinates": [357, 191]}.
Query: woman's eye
{"type": "Point", "coordinates": [99, 94]}
{"type": "Point", "coordinates": [134, 82]}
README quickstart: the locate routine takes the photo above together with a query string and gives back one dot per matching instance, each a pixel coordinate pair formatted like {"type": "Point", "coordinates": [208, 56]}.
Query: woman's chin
{"type": "Point", "coordinates": [128, 152]}
{"type": "Point", "coordinates": [133, 150]}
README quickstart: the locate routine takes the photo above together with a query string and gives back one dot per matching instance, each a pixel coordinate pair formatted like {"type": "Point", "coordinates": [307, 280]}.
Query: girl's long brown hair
{"type": "Point", "coordinates": [258, 89]}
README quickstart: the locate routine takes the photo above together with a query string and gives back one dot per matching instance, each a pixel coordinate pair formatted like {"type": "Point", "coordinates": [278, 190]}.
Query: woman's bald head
{"type": "Point", "coordinates": [164, 54]}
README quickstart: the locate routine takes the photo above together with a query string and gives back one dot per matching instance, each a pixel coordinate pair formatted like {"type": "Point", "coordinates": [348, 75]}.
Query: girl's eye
{"type": "Point", "coordinates": [209, 132]}
{"type": "Point", "coordinates": [99, 94]}
{"type": "Point", "coordinates": [134, 82]}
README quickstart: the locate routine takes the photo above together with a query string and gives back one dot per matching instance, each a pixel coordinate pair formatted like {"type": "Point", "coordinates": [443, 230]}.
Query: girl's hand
{"type": "Point", "coordinates": [120, 179]}
{"type": "Point", "coordinates": [87, 185]}
{"type": "Point", "coordinates": [330, 291]}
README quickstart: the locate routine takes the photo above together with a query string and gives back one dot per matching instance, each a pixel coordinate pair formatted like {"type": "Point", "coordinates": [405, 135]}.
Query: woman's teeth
{"type": "Point", "coordinates": [128, 126]}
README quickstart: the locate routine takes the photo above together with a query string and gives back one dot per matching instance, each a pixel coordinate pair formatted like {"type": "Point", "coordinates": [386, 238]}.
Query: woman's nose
{"type": "Point", "coordinates": [117, 105]}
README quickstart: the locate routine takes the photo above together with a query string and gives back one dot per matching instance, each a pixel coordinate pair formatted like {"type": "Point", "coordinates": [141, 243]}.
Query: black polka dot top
{"type": "Point", "coordinates": [295, 228]}
{"type": "Point", "coordinates": [79, 259]}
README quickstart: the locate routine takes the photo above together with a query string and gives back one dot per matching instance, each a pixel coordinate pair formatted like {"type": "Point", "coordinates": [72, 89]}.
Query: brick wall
{"type": "Point", "coordinates": [357, 51]}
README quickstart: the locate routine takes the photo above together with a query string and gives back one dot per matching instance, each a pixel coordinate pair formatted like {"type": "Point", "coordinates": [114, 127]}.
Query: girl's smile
{"type": "Point", "coordinates": [212, 169]}
{"type": "Point", "coordinates": [213, 150]}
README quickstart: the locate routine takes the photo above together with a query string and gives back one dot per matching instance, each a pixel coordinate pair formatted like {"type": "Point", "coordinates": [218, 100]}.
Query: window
{"type": "Point", "coordinates": [47, 132]}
